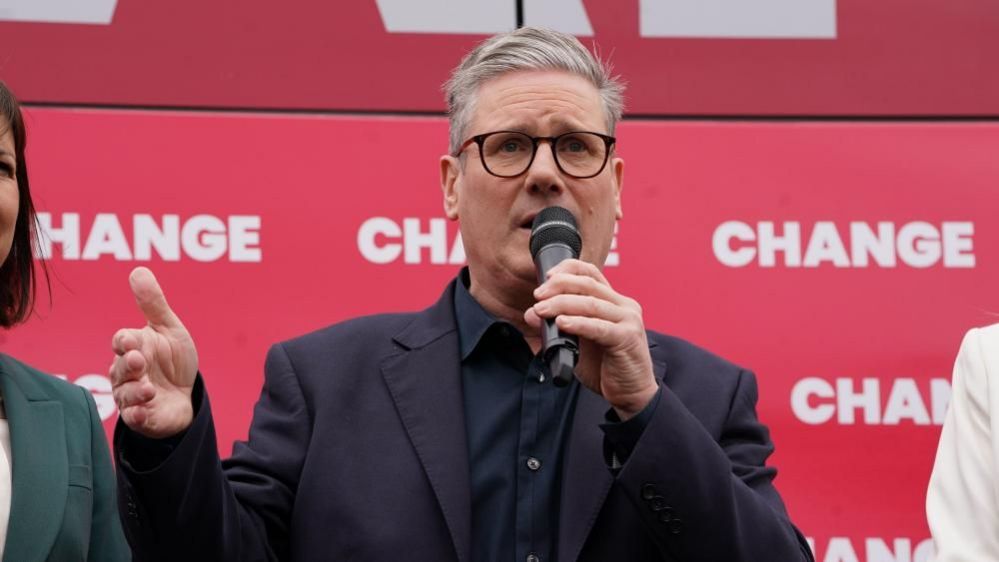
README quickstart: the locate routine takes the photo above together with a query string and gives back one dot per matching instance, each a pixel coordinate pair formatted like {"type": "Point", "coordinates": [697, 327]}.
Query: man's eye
{"type": "Point", "coordinates": [511, 146]}
{"type": "Point", "coordinates": [573, 145]}
{"type": "Point", "coordinates": [6, 170]}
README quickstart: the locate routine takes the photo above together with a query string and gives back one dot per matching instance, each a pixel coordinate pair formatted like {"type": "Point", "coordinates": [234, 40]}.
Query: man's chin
{"type": "Point", "coordinates": [522, 272]}
{"type": "Point", "coordinates": [523, 275]}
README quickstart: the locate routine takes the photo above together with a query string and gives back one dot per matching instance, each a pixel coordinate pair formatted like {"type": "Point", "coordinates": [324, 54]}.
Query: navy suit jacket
{"type": "Point", "coordinates": [357, 451]}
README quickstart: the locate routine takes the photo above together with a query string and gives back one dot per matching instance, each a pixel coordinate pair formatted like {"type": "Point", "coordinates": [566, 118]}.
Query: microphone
{"type": "Point", "coordinates": [554, 238]}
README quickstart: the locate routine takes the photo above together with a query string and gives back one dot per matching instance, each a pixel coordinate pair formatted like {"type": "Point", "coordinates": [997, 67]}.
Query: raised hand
{"type": "Point", "coordinates": [155, 366]}
{"type": "Point", "coordinates": [614, 358]}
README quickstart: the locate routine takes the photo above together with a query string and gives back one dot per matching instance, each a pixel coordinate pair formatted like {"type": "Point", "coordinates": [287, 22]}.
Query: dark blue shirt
{"type": "Point", "coordinates": [517, 424]}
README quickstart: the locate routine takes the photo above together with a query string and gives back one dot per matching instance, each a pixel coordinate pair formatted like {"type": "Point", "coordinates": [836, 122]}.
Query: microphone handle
{"type": "Point", "coordinates": [562, 364]}
{"type": "Point", "coordinates": [560, 352]}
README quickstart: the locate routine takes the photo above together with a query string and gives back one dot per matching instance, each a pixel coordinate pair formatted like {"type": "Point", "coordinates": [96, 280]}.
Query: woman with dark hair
{"type": "Point", "coordinates": [56, 480]}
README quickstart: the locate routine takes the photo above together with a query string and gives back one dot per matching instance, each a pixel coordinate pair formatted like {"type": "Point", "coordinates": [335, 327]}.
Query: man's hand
{"type": "Point", "coordinates": [154, 367]}
{"type": "Point", "coordinates": [614, 358]}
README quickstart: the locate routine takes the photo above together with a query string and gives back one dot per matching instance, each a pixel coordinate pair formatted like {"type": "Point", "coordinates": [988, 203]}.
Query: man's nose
{"type": "Point", "coordinates": [544, 175]}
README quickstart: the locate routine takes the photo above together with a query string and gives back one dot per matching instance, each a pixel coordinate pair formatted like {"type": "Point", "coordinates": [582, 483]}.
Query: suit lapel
{"type": "Point", "coordinates": [40, 470]}
{"type": "Point", "coordinates": [586, 478]}
{"type": "Point", "coordinates": [425, 383]}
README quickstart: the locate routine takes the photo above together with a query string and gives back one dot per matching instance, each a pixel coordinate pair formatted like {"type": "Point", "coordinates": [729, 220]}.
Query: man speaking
{"type": "Point", "coordinates": [439, 435]}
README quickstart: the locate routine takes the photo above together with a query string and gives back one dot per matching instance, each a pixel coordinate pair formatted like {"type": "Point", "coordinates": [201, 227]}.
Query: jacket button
{"type": "Point", "coordinates": [657, 503]}
{"type": "Point", "coordinates": [648, 491]}
{"type": "Point", "coordinates": [666, 514]}
{"type": "Point", "coordinates": [675, 525]}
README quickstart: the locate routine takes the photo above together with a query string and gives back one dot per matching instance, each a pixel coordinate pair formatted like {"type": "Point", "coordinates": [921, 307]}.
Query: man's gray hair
{"type": "Point", "coordinates": [528, 48]}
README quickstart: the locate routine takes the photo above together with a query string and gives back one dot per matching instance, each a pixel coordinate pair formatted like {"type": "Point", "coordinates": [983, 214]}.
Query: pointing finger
{"type": "Point", "coordinates": [149, 296]}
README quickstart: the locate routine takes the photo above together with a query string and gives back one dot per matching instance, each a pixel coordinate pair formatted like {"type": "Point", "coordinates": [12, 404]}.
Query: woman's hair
{"type": "Point", "coordinates": [17, 273]}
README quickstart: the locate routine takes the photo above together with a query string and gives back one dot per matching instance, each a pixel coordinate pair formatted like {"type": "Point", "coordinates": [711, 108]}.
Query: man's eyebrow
{"type": "Point", "coordinates": [566, 124]}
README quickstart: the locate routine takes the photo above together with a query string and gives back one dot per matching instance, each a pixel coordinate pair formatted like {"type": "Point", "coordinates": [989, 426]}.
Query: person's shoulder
{"type": "Point", "coordinates": [680, 354]}
{"type": "Point", "coordinates": [982, 345]}
{"type": "Point", "coordinates": [37, 384]}
{"type": "Point", "coordinates": [362, 331]}
{"type": "Point", "coordinates": [704, 381]}
{"type": "Point", "coordinates": [377, 334]}
{"type": "Point", "coordinates": [986, 335]}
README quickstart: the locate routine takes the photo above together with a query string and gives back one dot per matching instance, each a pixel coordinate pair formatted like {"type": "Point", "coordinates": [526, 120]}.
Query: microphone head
{"type": "Point", "coordinates": [555, 225]}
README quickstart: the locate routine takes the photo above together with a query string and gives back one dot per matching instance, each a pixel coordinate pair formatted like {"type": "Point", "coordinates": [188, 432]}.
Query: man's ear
{"type": "Point", "coordinates": [450, 179]}
{"type": "Point", "coordinates": [617, 168]}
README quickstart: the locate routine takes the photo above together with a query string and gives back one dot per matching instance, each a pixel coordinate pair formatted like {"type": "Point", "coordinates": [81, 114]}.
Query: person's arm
{"type": "Point", "coordinates": [962, 506]}
{"type": "Point", "coordinates": [620, 437]}
{"type": "Point", "coordinates": [106, 539]}
{"type": "Point", "coordinates": [704, 499]}
{"type": "Point", "coordinates": [722, 504]}
{"type": "Point", "coordinates": [180, 502]}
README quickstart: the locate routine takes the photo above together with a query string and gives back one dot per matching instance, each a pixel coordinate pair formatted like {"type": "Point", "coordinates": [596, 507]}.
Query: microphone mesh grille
{"type": "Point", "coordinates": [555, 225]}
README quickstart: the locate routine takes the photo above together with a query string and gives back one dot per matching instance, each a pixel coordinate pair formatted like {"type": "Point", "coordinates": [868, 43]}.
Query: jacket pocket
{"type": "Point", "coordinates": [79, 475]}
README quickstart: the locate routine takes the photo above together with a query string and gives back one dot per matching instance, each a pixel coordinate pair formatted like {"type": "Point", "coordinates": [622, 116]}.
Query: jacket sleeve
{"type": "Point", "coordinates": [704, 498]}
{"type": "Point", "coordinates": [107, 542]}
{"type": "Point", "coordinates": [961, 505]}
{"type": "Point", "coordinates": [189, 505]}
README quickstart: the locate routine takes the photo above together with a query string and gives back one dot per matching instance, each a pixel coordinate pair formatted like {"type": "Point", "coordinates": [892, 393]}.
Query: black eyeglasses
{"type": "Point", "coordinates": [508, 154]}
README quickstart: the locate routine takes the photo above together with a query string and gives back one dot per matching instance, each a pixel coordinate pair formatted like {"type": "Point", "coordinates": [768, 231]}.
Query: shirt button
{"type": "Point", "coordinates": [533, 464]}
{"type": "Point", "coordinates": [533, 558]}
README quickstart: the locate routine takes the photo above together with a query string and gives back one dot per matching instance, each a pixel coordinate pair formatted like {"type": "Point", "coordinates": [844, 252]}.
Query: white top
{"type": "Point", "coordinates": [5, 482]}
{"type": "Point", "coordinates": [962, 503]}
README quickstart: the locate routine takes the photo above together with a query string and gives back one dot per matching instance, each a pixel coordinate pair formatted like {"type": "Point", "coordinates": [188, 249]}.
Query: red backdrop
{"type": "Point", "coordinates": [897, 57]}
{"type": "Point", "coordinates": [841, 261]}
{"type": "Point", "coordinates": [314, 203]}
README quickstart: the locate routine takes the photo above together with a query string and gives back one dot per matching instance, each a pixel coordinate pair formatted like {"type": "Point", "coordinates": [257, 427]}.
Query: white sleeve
{"type": "Point", "coordinates": [6, 483]}
{"type": "Point", "coordinates": [962, 503]}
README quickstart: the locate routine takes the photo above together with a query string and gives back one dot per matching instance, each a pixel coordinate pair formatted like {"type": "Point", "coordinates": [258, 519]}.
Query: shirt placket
{"type": "Point", "coordinates": [533, 453]}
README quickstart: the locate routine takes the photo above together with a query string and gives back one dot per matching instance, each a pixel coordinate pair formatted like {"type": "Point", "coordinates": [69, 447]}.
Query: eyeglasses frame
{"type": "Point", "coordinates": [480, 140]}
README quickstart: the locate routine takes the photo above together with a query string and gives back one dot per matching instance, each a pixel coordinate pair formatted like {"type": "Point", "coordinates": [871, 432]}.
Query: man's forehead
{"type": "Point", "coordinates": [525, 100]}
{"type": "Point", "coordinates": [522, 79]}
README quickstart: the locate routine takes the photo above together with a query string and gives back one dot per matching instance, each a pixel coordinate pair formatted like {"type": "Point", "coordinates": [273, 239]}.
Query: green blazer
{"type": "Point", "coordinates": [62, 504]}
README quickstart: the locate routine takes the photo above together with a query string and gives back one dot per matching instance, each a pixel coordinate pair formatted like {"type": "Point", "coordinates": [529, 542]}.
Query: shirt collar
{"type": "Point", "coordinates": [473, 320]}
